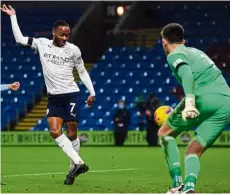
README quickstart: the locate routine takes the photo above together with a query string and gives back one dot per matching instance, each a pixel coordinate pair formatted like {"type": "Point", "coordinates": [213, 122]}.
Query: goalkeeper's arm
{"type": "Point", "coordinates": [185, 74]}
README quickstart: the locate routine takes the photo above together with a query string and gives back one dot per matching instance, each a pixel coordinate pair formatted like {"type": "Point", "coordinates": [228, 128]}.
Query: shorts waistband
{"type": "Point", "coordinates": [63, 95]}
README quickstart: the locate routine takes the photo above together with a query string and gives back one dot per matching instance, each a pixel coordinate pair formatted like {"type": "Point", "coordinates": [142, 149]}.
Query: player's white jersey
{"type": "Point", "coordinates": [58, 64]}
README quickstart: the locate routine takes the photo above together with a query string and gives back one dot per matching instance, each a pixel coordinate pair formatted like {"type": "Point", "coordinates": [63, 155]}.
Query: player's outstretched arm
{"type": "Point", "coordinates": [4, 87]}
{"type": "Point", "coordinates": [20, 39]}
{"type": "Point", "coordinates": [14, 86]}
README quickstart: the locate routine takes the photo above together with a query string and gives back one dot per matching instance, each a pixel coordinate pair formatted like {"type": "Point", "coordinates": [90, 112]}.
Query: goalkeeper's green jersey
{"type": "Point", "coordinates": [207, 77]}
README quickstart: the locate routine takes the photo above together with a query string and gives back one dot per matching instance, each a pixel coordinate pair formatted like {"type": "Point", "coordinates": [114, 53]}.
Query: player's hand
{"type": "Point", "coordinates": [9, 11]}
{"type": "Point", "coordinates": [14, 86]}
{"type": "Point", "coordinates": [90, 101]}
{"type": "Point", "coordinates": [190, 111]}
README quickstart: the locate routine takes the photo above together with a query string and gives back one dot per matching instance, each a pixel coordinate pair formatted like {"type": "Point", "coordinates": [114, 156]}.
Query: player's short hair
{"type": "Point", "coordinates": [60, 23]}
{"type": "Point", "coordinates": [173, 32]}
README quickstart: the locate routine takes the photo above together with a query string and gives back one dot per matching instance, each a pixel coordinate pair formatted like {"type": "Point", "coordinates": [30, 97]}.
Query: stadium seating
{"type": "Point", "coordinates": [128, 72]}
{"type": "Point", "coordinates": [22, 64]}
{"type": "Point", "coordinates": [204, 23]}
{"type": "Point", "coordinates": [116, 79]}
{"type": "Point", "coordinates": [220, 54]}
{"type": "Point", "coordinates": [124, 73]}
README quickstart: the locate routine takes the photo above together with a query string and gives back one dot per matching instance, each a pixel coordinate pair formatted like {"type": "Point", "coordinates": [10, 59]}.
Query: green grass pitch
{"type": "Point", "coordinates": [112, 170]}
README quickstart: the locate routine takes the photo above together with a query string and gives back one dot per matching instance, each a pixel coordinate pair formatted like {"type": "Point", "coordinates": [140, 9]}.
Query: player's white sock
{"type": "Point", "coordinates": [65, 144]}
{"type": "Point", "coordinates": [76, 146]}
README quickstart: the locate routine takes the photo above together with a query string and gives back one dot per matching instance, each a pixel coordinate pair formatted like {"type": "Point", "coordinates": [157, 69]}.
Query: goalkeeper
{"type": "Point", "coordinates": [206, 106]}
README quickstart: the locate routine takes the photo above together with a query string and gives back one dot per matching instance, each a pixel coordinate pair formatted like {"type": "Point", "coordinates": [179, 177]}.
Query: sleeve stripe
{"type": "Point", "coordinates": [180, 64]}
{"type": "Point", "coordinates": [30, 41]}
{"type": "Point", "coordinates": [177, 62]}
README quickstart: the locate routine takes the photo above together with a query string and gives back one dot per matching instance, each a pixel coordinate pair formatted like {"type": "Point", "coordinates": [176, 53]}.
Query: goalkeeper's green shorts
{"type": "Point", "coordinates": [214, 117]}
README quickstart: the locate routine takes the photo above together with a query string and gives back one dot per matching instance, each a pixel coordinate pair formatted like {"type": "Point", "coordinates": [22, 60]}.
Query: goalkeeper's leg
{"type": "Point", "coordinates": [167, 133]}
{"type": "Point", "coordinates": [192, 165]}
{"type": "Point", "coordinates": [172, 154]}
{"type": "Point", "coordinates": [206, 134]}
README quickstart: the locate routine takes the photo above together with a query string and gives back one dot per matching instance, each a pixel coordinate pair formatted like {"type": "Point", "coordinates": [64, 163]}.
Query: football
{"type": "Point", "coordinates": [161, 114]}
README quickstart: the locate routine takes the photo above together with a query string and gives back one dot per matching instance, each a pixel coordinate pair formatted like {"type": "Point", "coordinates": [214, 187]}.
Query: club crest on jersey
{"type": "Point", "coordinates": [67, 51]}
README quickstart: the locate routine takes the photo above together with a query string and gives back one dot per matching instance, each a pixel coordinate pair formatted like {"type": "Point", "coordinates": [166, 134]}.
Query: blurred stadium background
{"type": "Point", "coordinates": [121, 47]}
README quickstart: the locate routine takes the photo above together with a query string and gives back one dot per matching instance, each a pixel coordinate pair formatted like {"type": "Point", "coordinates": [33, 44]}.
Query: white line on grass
{"type": "Point", "coordinates": [53, 173]}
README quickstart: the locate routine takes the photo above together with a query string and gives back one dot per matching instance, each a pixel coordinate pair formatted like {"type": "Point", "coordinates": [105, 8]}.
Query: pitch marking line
{"type": "Point", "coordinates": [53, 173]}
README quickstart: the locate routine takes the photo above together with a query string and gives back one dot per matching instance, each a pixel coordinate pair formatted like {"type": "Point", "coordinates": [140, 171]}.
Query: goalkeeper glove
{"type": "Point", "coordinates": [190, 111]}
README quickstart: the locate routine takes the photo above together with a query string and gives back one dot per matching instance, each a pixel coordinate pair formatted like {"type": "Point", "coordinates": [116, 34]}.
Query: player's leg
{"type": "Point", "coordinates": [167, 133]}
{"type": "Point", "coordinates": [71, 128]}
{"type": "Point", "coordinates": [206, 135]}
{"type": "Point", "coordinates": [172, 154]}
{"type": "Point", "coordinates": [55, 117]}
{"type": "Point", "coordinates": [74, 170]}
{"type": "Point", "coordinates": [192, 165]}
{"type": "Point", "coordinates": [55, 125]}
{"type": "Point", "coordinates": [71, 117]}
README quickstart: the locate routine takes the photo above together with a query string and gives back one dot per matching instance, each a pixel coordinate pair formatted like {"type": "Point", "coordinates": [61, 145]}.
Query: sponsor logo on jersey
{"type": "Point", "coordinates": [59, 59]}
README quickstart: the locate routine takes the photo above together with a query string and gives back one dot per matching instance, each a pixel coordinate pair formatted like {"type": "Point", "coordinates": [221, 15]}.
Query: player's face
{"type": "Point", "coordinates": [61, 35]}
{"type": "Point", "coordinates": [165, 46]}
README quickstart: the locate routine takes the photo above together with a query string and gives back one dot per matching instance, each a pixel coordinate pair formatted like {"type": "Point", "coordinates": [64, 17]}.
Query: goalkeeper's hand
{"type": "Point", "coordinates": [190, 111]}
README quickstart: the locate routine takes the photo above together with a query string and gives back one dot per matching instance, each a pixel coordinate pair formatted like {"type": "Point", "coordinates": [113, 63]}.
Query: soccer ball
{"type": "Point", "coordinates": [161, 114]}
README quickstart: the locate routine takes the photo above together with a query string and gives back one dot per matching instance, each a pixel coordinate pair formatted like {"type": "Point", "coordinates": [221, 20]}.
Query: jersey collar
{"type": "Point", "coordinates": [180, 46]}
